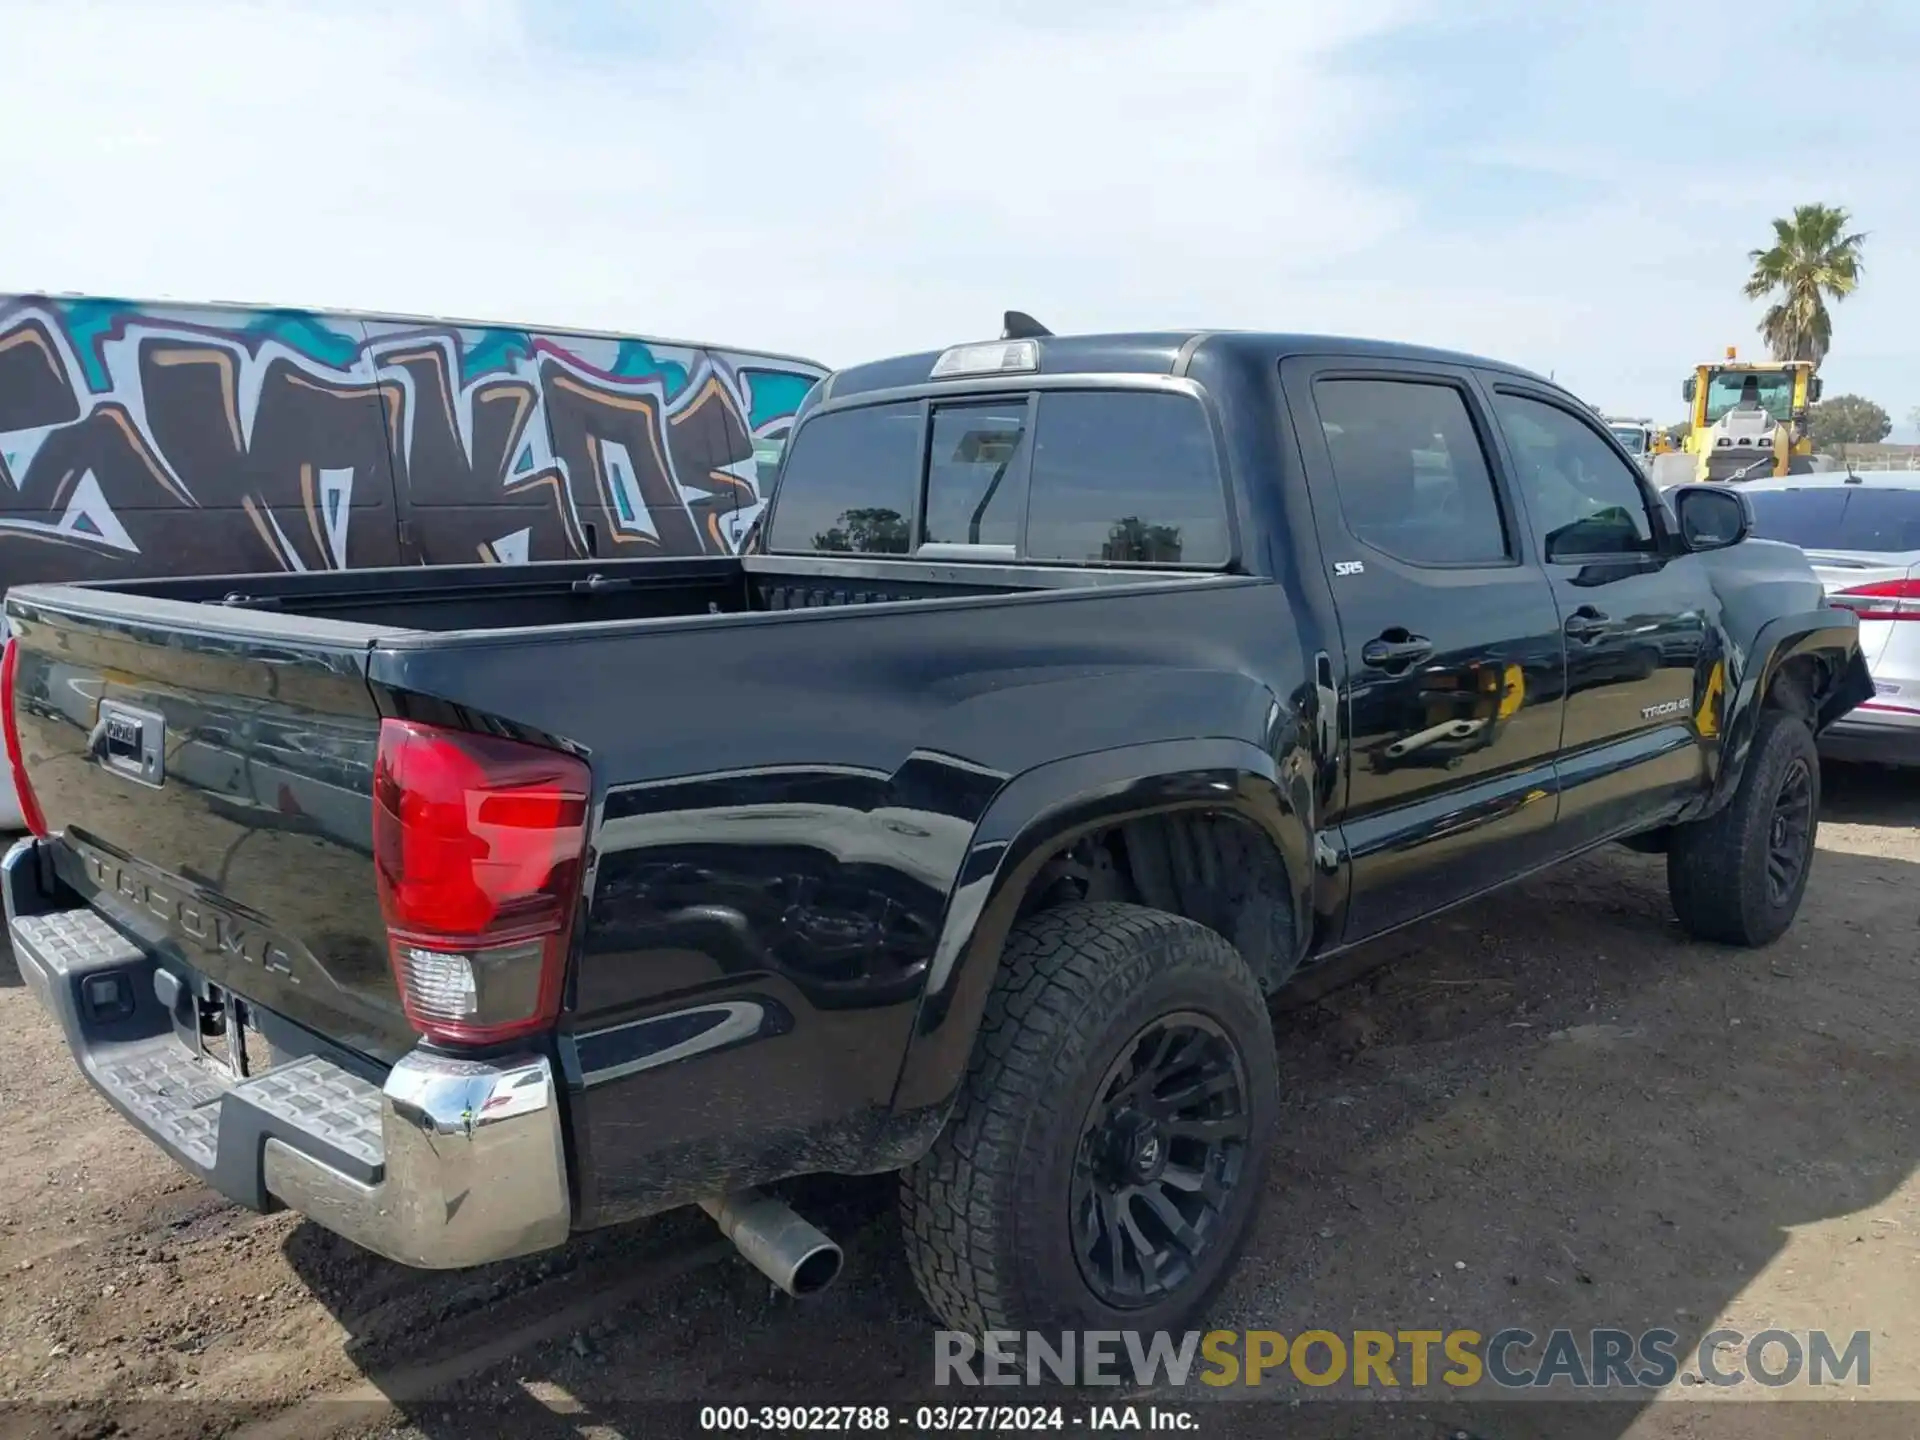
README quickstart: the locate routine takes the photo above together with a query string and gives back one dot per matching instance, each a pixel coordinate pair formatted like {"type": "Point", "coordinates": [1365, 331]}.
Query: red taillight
{"type": "Point", "coordinates": [29, 803]}
{"type": "Point", "coordinates": [1882, 600]}
{"type": "Point", "coordinates": [478, 844]}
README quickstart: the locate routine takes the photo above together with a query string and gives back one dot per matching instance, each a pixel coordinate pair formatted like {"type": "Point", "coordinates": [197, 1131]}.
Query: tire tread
{"type": "Point", "coordinates": [957, 1203]}
{"type": "Point", "coordinates": [1711, 878]}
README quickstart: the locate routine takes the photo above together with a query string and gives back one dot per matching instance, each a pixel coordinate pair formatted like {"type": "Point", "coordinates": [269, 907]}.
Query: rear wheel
{"type": "Point", "coordinates": [1105, 1156]}
{"type": "Point", "coordinates": [1738, 876]}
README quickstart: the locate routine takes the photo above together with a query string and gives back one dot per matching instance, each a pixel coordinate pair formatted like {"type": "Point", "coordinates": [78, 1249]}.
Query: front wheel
{"type": "Point", "coordinates": [1105, 1156]}
{"type": "Point", "coordinates": [1738, 876]}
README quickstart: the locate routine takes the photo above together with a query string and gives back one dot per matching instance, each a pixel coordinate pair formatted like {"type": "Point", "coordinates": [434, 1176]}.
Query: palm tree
{"type": "Point", "coordinates": [1811, 260]}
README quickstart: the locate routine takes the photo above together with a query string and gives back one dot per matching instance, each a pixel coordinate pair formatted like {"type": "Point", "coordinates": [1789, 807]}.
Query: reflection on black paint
{"type": "Point", "coordinates": [263, 819]}
{"type": "Point", "coordinates": [834, 880]}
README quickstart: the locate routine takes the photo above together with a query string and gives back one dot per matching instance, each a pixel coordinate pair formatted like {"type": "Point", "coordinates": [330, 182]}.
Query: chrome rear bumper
{"type": "Point", "coordinates": [448, 1163]}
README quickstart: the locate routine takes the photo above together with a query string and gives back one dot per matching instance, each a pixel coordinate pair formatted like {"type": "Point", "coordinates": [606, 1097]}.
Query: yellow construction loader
{"type": "Point", "coordinates": [1747, 419]}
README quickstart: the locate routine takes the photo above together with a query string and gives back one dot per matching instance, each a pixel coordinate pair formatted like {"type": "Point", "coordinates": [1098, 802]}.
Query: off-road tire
{"type": "Point", "coordinates": [1717, 867]}
{"type": "Point", "coordinates": [984, 1213]}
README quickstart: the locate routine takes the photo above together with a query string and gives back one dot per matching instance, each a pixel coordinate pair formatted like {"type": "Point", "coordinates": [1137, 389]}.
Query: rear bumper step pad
{"type": "Point", "coordinates": [215, 1125]}
{"type": "Point", "coordinates": [452, 1163]}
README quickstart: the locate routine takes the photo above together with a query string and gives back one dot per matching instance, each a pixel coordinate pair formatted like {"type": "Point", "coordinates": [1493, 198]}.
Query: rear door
{"type": "Point", "coordinates": [211, 772]}
{"type": "Point", "coordinates": [1453, 654]}
{"type": "Point", "coordinates": [1635, 618]}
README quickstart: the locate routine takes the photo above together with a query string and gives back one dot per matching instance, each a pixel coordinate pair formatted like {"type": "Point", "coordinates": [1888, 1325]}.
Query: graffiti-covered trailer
{"type": "Point", "coordinates": [142, 439]}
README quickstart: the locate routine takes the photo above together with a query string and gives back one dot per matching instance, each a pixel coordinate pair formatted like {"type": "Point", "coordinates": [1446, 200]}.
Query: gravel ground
{"type": "Point", "coordinates": [1547, 1110]}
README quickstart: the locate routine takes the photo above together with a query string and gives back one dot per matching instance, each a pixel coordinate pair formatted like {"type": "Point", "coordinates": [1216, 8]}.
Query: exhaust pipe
{"type": "Point", "coordinates": [781, 1246]}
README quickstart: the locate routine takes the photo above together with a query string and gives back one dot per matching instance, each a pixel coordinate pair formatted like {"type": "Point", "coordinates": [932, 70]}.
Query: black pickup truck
{"type": "Point", "coordinates": [1075, 694]}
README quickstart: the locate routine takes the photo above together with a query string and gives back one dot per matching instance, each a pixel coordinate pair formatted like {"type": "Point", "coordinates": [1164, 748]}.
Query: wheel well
{"type": "Point", "coordinates": [1208, 866]}
{"type": "Point", "coordinates": [1798, 686]}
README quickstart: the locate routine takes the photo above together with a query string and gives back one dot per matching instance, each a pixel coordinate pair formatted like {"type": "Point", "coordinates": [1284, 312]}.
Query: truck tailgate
{"type": "Point", "coordinates": [211, 771]}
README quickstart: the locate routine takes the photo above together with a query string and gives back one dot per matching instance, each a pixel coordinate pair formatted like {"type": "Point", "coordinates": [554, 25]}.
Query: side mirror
{"type": "Point", "coordinates": [1814, 388]}
{"type": "Point", "coordinates": [1686, 391]}
{"type": "Point", "coordinates": [1711, 517]}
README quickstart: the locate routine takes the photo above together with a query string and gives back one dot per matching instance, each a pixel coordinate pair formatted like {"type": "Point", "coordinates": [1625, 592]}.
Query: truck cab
{"type": "Point", "coordinates": [1637, 437]}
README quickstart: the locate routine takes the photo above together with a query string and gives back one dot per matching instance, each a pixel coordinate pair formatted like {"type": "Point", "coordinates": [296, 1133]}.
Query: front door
{"type": "Point", "coordinates": [1640, 675]}
{"type": "Point", "coordinates": [1453, 653]}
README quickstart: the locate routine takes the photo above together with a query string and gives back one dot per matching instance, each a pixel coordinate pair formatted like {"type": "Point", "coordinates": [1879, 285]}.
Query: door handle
{"type": "Point", "coordinates": [1395, 650]}
{"type": "Point", "coordinates": [1586, 623]}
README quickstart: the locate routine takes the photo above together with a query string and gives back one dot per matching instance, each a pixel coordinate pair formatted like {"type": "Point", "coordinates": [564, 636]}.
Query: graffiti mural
{"type": "Point", "coordinates": [158, 440]}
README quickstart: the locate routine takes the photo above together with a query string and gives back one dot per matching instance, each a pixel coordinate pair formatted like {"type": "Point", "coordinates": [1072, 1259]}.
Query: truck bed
{"type": "Point", "coordinates": [261, 700]}
{"type": "Point", "coordinates": [493, 597]}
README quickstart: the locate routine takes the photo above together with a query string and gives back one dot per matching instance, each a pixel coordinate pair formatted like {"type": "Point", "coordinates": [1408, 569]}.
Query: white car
{"type": "Point", "coordinates": [1861, 532]}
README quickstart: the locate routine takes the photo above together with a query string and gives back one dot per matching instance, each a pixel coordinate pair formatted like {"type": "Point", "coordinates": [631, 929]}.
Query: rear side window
{"type": "Point", "coordinates": [1125, 476]}
{"type": "Point", "coordinates": [1412, 478]}
{"type": "Point", "coordinates": [1873, 519]}
{"type": "Point", "coordinates": [849, 483]}
{"type": "Point", "coordinates": [1099, 477]}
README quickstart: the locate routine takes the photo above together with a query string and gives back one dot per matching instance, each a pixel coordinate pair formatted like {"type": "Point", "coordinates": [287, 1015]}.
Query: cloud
{"type": "Point", "coordinates": [842, 179]}
{"type": "Point", "coordinates": [1647, 147]}
{"type": "Point", "coordinates": [1573, 188]}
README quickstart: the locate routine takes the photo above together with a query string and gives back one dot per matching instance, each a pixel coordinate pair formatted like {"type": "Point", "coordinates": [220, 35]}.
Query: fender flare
{"type": "Point", "coordinates": [1829, 631]}
{"type": "Point", "coordinates": [1029, 821]}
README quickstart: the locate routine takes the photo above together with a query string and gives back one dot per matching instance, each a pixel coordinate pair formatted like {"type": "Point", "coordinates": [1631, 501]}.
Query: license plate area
{"type": "Point", "coordinates": [229, 1038]}
{"type": "Point", "coordinates": [217, 1025]}
{"type": "Point", "coordinates": [132, 742]}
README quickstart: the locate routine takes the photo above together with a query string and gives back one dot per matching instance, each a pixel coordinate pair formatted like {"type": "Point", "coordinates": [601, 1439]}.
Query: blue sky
{"type": "Point", "coordinates": [1573, 186]}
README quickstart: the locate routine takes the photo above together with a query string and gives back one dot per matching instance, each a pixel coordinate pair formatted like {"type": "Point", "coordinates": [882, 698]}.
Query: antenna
{"type": "Point", "coordinates": [1018, 325]}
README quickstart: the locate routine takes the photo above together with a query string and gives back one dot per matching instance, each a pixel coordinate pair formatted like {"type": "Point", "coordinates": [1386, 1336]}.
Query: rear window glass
{"type": "Point", "coordinates": [1839, 517]}
{"type": "Point", "coordinates": [1125, 476]}
{"type": "Point", "coordinates": [976, 475]}
{"type": "Point", "coordinates": [849, 483]}
{"type": "Point", "coordinates": [1101, 477]}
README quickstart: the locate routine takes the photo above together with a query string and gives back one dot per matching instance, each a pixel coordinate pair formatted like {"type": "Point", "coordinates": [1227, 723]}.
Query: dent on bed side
{"type": "Point", "coordinates": [1048, 810]}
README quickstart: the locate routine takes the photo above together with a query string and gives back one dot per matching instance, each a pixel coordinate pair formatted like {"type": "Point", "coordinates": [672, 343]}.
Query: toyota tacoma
{"type": "Point", "coordinates": [1073, 695]}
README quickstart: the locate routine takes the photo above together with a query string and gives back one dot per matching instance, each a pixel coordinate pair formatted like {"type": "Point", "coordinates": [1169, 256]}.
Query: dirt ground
{"type": "Point", "coordinates": [1547, 1110]}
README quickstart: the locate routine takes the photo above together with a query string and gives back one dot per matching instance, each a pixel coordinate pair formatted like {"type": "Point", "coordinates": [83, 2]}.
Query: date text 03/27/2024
{"type": "Point", "coordinates": [958, 1419]}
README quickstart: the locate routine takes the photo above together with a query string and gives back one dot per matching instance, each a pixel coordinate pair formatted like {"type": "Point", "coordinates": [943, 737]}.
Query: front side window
{"type": "Point", "coordinates": [1585, 500]}
{"type": "Point", "coordinates": [849, 483]}
{"type": "Point", "coordinates": [1412, 479]}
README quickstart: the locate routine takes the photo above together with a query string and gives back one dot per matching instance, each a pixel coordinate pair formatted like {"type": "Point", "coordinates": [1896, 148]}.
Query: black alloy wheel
{"type": "Point", "coordinates": [1161, 1149]}
{"type": "Point", "coordinates": [1789, 831]}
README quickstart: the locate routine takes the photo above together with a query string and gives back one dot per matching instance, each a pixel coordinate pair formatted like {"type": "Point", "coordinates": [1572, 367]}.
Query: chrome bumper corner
{"type": "Point", "coordinates": [475, 1168]}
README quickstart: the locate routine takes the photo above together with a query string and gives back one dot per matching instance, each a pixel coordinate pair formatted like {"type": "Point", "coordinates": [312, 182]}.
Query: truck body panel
{"type": "Point", "coordinates": [1406, 656]}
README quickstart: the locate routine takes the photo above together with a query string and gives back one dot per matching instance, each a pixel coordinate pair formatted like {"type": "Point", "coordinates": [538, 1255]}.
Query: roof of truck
{"type": "Point", "coordinates": [1151, 352]}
